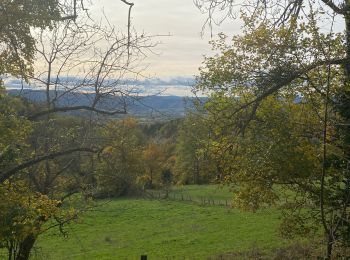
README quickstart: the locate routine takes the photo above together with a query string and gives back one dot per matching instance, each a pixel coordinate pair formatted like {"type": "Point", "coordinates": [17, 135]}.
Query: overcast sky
{"type": "Point", "coordinates": [179, 54]}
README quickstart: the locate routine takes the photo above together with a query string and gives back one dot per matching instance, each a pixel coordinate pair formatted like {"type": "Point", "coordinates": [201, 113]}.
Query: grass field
{"type": "Point", "coordinates": [128, 228]}
{"type": "Point", "coordinates": [214, 192]}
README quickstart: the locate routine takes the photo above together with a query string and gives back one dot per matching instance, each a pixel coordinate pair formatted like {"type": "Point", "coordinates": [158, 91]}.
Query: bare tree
{"type": "Point", "coordinates": [81, 58]}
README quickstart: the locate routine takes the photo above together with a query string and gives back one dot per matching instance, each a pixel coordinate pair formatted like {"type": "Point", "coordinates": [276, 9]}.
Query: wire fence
{"type": "Point", "coordinates": [200, 200]}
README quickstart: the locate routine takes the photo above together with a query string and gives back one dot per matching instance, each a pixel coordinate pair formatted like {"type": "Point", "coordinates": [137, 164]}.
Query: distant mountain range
{"type": "Point", "coordinates": [175, 86]}
{"type": "Point", "coordinates": [138, 106]}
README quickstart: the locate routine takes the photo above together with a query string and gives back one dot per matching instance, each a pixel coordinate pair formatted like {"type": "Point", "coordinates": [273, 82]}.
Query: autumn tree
{"type": "Point", "coordinates": [161, 151]}
{"type": "Point", "coordinates": [44, 154]}
{"type": "Point", "coordinates": [121, 159]}
{"type": "Point", "coordinates": [22, 214]}
{"type": "Point", "coordinates": [17, 20]}
{"type": "Point", "coordinates": [283, 49]}
{"type": "Point", "coordinates": [193, 160]}
{"type": "Point", "coordinates": [154, 159]}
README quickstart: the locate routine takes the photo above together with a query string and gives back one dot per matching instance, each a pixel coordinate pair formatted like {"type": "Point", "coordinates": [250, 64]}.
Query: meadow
{"type": "Point", "coordinates": [163, 229]}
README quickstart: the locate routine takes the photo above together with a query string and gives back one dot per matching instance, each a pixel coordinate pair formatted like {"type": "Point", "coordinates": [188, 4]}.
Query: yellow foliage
{"type": "Point", "coordinates": [22, 212]}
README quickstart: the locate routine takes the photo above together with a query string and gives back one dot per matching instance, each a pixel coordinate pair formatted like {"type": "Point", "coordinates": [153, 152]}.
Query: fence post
{"type": "Point", "coordinates": [144, 257]}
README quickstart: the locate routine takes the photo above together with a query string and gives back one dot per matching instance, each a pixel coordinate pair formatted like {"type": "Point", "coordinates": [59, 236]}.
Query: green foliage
{"type": "Point", "coordinates": [22, 214]}
{"type": "Point", "coordinates": [153, 158]}
{"type": "Point", "coordinates": [14, 132]}
{"type": "Point", "coordinates": [272, 99]}
{"type": "Point", "coordinates": [16, 20]}
{"type": "Point", "coordinates": [193, 163]}
{"type": "Point", "coordinates": [166, 177]}
{"type": "Point", "coordinates": [66, 174]}
{"type": "Point", "coordinates": [121, 161]}
{"type": "Point", "coordinates": [32, 197]}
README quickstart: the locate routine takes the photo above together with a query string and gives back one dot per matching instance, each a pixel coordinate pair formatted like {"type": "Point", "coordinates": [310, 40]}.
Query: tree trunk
{"type": "Point", "coordinates": [25, 247]}
{"type": "Point", "coordinates": [346, 95]}
{"type": "Point", "coordinates": [329, 246]}
{"type": "Point", "coordinates": [196, 172]}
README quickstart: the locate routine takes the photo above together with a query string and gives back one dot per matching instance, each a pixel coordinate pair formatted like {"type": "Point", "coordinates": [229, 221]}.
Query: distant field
{"type": "Point", "coordinates": [215, 192]}
{"type": "Point", "coordinates": [198, 194]}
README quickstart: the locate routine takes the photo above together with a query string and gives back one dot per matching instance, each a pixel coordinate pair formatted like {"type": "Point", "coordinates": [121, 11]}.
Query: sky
{"type": "Point", "coordinates": [179, 54]}
{"type": "Point", "coordinates": [171, 67]}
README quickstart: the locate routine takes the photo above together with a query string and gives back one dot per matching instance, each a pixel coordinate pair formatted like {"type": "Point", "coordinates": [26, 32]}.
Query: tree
{"type": "Point", "coordinates": [14, 131]}
{"type": "Point", "coordinates": [166, 180]}
{"type": "Point", "coordinates": [283, 49]}
{"type": "Point", "coordinates": [99, 56]}
{"type": "Point", "coordinates": [121, 161]}
{"type": "Point", "coordinates": [153, 157]}
{"type": "Point", "coordinates": [17, 19]}
{"type": "Point", "coordinates": [21, 216]}
{"type": "Point", "coordinates": [46, 156]}
{"type": "Point", "coordinates": [193, 162]}
{"type": "Point", "coordinates": [279, 147]}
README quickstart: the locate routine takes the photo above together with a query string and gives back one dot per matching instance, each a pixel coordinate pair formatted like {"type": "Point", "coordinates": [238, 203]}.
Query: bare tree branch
{"type": "Point", "coordinates": [75, 108]}
{"type": "Point", "coordinates": [9, 173]}
{"type": "Point", "coordinates": [129, 23]}
{"type": "Point", "coordinates": [334, 7]}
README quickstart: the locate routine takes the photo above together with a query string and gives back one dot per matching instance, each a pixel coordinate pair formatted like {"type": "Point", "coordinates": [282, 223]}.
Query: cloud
{"type": "Point", "coordinates": [170, 86]}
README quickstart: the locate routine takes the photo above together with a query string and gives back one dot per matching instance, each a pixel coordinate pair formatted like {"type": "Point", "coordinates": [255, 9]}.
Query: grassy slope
{"type": "Point", "coordinates": [125, 229]}
{"type": "Point", "coordinates": [215, 192]}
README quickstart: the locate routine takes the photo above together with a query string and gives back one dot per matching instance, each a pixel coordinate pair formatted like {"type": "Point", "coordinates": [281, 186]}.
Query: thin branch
{"type": "Point", "coordinates": [293, 75]}
{"type": "Point", "coordinates": [129, 23]}
{"type": "Point", "coordinates": [7, 174]}
{"type": "Point", "coordinates": [334, 7]}
{"type": "Point", "coordinates": [74, 15]}
{"type": "Point", "coordinates": [66, 109]}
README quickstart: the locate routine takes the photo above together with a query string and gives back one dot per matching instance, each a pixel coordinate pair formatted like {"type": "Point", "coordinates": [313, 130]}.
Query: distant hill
{"type": "Point", "coordinates": [138, 106]}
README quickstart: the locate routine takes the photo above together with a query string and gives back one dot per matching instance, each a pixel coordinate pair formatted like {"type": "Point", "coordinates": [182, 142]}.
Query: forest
{"type": "Point", "coordinates": [258, 166]}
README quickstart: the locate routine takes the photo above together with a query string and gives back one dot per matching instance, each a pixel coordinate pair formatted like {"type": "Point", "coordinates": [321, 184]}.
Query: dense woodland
{"type": "Point", "coordinates": [274, 126]}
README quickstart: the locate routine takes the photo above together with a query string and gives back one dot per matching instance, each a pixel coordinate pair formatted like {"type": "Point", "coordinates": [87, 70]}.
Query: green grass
{"type": "Point", "coordinates": [215, 192]}
{"type": "Point", "coordinates": [128, 228]}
